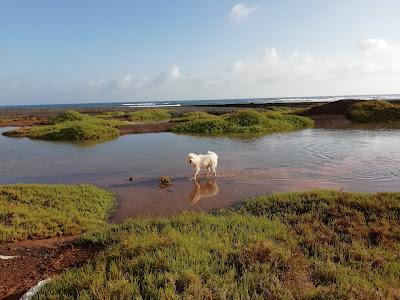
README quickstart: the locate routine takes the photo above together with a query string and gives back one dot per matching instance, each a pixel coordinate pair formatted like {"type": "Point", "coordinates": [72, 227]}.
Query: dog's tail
{"type": "Point", "coordinates": [212, 153]}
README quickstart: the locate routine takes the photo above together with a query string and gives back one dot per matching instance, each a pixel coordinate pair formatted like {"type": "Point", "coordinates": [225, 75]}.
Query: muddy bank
{"type": "Point", "coordinates": [146, 127]}
{"type": "Point", "coordinates": [37, 260]}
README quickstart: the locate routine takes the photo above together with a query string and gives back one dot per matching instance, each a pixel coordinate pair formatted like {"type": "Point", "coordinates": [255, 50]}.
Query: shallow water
{"type": "Point", "coordinates": [354, 160]}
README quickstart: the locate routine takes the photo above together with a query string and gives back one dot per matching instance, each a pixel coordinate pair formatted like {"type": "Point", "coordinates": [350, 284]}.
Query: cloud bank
{"type": "Point", "coordinates": [373, 68]}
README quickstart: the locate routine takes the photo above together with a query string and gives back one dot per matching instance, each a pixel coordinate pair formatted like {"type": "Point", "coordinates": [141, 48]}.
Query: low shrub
{"type": "Point", "coordinates": [72, 126]}
{"type": "Point", "coordinates": [206, 126]}
{"type": "Point", "coordinates": [244, 122]}
{"type": "Point", "coordinates": [69, 116]}
{"type": "Point", "coordinates": [246, 118]}
{"type": "Point", "coordinates": [150, 115]}
{"type": "Point", "coordinates": [74, 131]}
{"type": "Point", "coordinates": [196, 115]}
{"type": "Point", "coordinates": [374, 111]}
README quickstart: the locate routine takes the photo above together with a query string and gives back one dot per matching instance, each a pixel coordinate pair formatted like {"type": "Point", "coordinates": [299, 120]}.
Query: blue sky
{"type": "Point", "coordinates": [93, 51]}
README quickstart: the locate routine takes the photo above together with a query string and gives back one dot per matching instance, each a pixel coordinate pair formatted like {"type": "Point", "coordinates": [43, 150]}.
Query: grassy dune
{"type": "Point", "coordinates": [246, 121]}
{"type": "Point", "coordinates": [150, 115]}
{"type": "Point", "coordinates": [72, 126]}
{"type": "Point", "coordinates": [313, 245]}
{"type": "Point", "coordinates": [30, 211]}
{"type": "Point", "coordinates": [374, 111]}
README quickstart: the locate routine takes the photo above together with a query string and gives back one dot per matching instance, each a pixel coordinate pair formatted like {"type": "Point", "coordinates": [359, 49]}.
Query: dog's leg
{"type": "Point", "coordinates": [215, 172]}
{"type": "Point", "coordinates": [207, 171]}
{"type": "Point", "coordinates": [196, 173]}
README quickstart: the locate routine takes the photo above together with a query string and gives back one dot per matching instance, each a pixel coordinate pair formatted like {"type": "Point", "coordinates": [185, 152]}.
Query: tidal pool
{"type": "Point", "coordinates": [352, 160]}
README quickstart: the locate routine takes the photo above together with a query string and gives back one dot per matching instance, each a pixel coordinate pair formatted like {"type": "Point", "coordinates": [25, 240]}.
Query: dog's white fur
{"type": "Point", "coordinates": [207, 162]}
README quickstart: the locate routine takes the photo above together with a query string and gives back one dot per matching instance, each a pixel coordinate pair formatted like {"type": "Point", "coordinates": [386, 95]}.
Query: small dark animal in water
{"type": "Point", "coordinates": [131, 179]}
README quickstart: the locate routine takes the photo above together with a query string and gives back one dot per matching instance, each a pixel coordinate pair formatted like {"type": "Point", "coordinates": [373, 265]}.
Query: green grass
{"type": "Point", "coordinates": [312, 245]}
{"type": "Point", "coordinates": [112, 114]}
{"type": "Point", "coordinates": [73, 131]}
{"type": "Point", "coordinates": [374, 111]}
{"type": "Point", "coordinates": [73, 126]}
{"type": "Point", "coordinates": [150, 115]}
{"type": "Point", "coordinates": [247, 121]}
{"type": "Point", "coordinates": [196, 115]}
{"type": "Point", "coordinates": [30, 211]}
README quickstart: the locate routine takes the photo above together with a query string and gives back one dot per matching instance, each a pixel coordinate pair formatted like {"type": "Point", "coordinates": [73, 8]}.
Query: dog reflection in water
{"type": "Point", "coordinates": [203, 189]}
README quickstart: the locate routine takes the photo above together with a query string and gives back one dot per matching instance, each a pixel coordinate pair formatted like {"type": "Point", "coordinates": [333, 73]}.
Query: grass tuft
{"type": "Point", "coordinates": [150, 115]}
{"type": "Point", "coordinates": [32, 211]}
{"type": "Point", "coordinates": [196, 115]}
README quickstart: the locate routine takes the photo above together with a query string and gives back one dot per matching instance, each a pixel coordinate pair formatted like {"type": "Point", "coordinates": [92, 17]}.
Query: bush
{"type": "Point", "coordinates": [72, 126]}
{"type": "Point", "coordinates": [244, 122]}
{"type": "Point", "coordinates": [74, 131]}
{"type": "Point", "coordinates": [112, 114]}
{"type": "Point", "coordinates": [246, 118]}
{"type": "Point", "coordinates": [374, 111]}
{"type": "Point", "coordinates": [206, 126]}
{"type": "Point", "coordinates": [32, 211]}
{"type": "Point", "coordinates": [196, 115]}
{"type": "Point", "coordinates": [150, 115]}
{"type": "Point", "coordinates": [69, 116]}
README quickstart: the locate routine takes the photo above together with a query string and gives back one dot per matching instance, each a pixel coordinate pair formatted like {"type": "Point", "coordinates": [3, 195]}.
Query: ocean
{"type": "Point", "coordinates": [176, 103]}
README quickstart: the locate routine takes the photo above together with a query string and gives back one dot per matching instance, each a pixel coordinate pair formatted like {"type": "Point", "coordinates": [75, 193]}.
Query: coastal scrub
{"type": "Point", "coordinates": [72, 126]}
{"type": "Point", "coordinates": [374, 111]}
{"type": "Point", "coordinates": [246, 121]}
{"type": "Point", "coordinates": [150, 115]}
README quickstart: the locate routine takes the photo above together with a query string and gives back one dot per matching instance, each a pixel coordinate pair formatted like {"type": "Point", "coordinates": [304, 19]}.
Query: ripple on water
{"type": "Point", "coordinates": [356, 160]}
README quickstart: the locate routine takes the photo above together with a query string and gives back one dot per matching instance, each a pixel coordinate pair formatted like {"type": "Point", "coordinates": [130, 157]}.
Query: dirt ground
{"type": "Point", "coordinates": [37, 260]}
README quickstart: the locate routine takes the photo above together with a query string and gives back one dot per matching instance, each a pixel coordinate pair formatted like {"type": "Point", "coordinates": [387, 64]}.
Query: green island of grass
{"type": "Point", "coordinates": [32, 211]}
{"type": "Point", "coordinates": [374, 111]}
{"type": "Point", "coordinates": [150, 115]}
{"type": "Point", "coordinates": [246, 121]}
{"type": "Point", "coordinates": [310, 245]}
{"type": "Point", "coordinates": [72, 126]}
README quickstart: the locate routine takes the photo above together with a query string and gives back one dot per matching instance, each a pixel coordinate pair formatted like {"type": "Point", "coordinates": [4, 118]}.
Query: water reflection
{"type": "Point", "coordinates": [355, 160]}
{"type": "Point", "coordinates": [203, 189]}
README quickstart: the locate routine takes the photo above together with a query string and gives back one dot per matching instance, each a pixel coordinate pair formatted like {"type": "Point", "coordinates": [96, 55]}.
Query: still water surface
{"type": "Point", "coordinates": [354, 160]}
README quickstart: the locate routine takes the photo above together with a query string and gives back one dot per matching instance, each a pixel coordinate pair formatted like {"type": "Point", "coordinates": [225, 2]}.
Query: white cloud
{"type": "Point", "coordinates": [241, 11]}
{"type": "Point", "coordinates": [372, 44]}
{"type": "Point", "coordinates": [374, 67]}
{"type": "Point", "coordinates": [174, 72]}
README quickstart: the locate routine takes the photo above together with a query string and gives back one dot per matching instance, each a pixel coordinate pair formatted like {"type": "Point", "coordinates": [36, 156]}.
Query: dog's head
{"type": "Point", "coordinates": [191, 158]}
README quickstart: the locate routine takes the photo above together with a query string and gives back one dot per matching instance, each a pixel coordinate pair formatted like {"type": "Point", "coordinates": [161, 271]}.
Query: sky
{"type": "Point", "coordinates": [104, 51]}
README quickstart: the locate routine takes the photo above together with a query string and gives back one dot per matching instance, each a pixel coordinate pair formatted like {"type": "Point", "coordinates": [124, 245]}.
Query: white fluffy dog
{"type": "Point", "coordinates": [207, 162]}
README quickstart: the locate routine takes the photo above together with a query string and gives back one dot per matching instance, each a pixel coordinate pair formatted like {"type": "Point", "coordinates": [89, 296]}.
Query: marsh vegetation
{"type": "Point", "coordinates": [72, 126]}
{"type": "Point", "coordinates": [312, 245]}
{"type": "Point", "coordinates": [150, 115]}
{"type": "Point", "coordinates": [246, 121]}
{"type": "Point", "coordinates": [33, 211]}
{"type": "Point", "coordinates": [374, 111]}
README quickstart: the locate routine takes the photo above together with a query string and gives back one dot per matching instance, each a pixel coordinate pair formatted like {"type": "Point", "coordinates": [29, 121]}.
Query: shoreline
{"type": "Point", "coordinates": [329, 115]}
